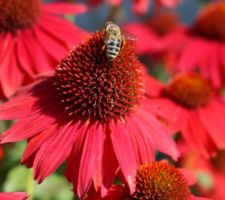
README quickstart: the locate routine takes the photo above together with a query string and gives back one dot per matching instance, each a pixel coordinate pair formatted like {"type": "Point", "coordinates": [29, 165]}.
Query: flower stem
{"type": "Point", "coordinates": [30, 184]}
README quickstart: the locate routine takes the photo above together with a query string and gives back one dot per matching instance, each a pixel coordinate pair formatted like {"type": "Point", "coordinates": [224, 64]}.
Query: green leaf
{"type": "Point", "coordinates": [16, 179]}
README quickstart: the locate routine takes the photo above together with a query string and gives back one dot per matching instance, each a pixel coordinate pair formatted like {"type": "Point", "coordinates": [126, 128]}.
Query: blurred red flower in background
{"type": "Point", "coordinates": [156, 180]}
{"type": "Point", "coordinates": [192, 107]}
{"type": "Point", "coordinates": [201, 47]}
{"type": "Point", "coordinates": [210, 173]}
{"type": "Point", "coordinates": [149, 34]}
{"type": "Point", "coordinates": [139, 6]}
{"type": "Point", "coordinates": [92, 112]}
{"type": "Point", "coordinates": [13, 196]}
{"type": "Point", "coordinates": [33, 39]}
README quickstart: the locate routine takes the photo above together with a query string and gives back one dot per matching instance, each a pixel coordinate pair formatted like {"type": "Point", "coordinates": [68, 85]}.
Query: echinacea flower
{"type": "Point", "coordinates": [210, 173]}
{"type": "Point", "coordinates": [33, 39]}
{"type": "Point", "coordinates": [91, 112]}
{"type": "Point", "coordinates": [156, 180]}
{"type": "Point", "coordinates": [201, 47]}
{"type": "Point", "coordinates": [13, 196]}
{"type": "Point", "coordinates": [192, 107]}
{"type": "Point", "coordinates": [150, 33]}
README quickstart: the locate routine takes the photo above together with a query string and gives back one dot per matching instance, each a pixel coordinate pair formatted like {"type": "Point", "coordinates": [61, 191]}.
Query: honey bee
{"type": "Point", "coordinates": [114, 40]}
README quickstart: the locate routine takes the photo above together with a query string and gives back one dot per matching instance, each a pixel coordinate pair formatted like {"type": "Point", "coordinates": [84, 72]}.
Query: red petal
{"type": "Point", "coordinates": [142, 141]}
{"type": "Point", "coordinates": [50, 43]}
{"type": "Point", "coordinates": [125, 151]}
{"type": "Point", "coordinates": [140, 6]}
{"type": "Point", "coordinates": [54, 151]}
{"type": "Point", "coordinates": [212, 119]}
{"type": "Point", "coordinates": [157, 132]}
{"type": "Point", "coordinates": [23, 55]}
{"type": "Point", "coordinates": [11, 76]}
{"type": "Point", "coordinates": [26, 128]}
{"type": "Point", "coordinates": [64, 8]}
{"type": "Point", "coordinates": [13, 196]}
{"type": "Point", "coordinates": [91, 157]}
{"type": "Point", "coordinates": [69, 35]}
{"type": "Point", "coordinates": [109, 165]}
{"type": "Point", "coordinates": [35, 56]}
{"type": "Point", "coordinates": [196, 137]}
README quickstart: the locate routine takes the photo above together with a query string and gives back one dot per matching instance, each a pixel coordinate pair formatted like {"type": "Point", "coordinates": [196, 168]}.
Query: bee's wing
{"type": "Point", "coordinates": [129, 36]}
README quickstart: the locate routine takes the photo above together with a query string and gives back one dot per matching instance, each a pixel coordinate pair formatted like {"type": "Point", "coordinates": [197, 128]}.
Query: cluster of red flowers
{"type": "Point", "coordinates": [95, 107]}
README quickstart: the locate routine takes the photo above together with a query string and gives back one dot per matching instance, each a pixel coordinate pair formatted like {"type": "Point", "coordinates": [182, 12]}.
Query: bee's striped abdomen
{"type": "Point", "coordinates": [113, 48]}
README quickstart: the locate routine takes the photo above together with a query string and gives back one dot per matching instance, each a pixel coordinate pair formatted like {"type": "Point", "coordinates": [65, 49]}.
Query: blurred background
{"type": "Point", "coordinates": [16, 177]}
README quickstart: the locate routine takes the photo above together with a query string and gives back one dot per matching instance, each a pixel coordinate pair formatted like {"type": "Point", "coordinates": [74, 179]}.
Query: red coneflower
{"type": "Point", "coordinates": [192, 107]}
{"type": "Point", "coordinates": [150, 34]}
{"type": "Point", "coordinates": [13, 196]}
{"type": "Point", "coordinates": [91, 112]}
{"type": "Point", "coordinates": [202, 46]}
{"type": "Point", "coordinates": [156, 180]}
{"type": "Point", "coordinates": [210, 173]}
{"type": "Point", "coordinates": [32, 40]}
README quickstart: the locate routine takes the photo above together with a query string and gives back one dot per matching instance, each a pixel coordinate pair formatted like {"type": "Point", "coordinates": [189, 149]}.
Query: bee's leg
{"type": "Point", "coordinates": [103, 50]}
{"type": "Point", "coordinates": [123, 43]}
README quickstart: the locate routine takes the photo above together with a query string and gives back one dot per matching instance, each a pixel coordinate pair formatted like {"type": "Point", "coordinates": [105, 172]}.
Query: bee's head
{"type": "Point", "coordinates": [112, 28]}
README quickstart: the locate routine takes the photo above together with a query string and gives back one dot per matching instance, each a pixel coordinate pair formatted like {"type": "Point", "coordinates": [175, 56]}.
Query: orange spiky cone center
{"type": "Point", "coordinates": [18, 14]}
{"type": "Point", "coordinates": [160, 181]}
{"type": "Point", "coordinates": [189, 90]}
{"type": "Point", "coordinates": [93, 88]}
{"type": "Point", "coordinates": [210, 23]}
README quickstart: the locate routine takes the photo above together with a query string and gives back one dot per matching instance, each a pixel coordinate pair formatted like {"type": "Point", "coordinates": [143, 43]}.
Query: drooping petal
{"type": "Point", "coordinates": [33, 55]}
{"type": "Point", "coordinates": [109, 166]}
{"type": "Point", "coordinates": [196, 137]}
{"type": "Point", "coordinates": [158, 131]}
{"type": "Point", "coordinates": [26, 128]}
{"type": "Point", "coordinates": [91, 157]}
{"type": "Point", "coordinates": [142, 140]}
{"type": "Point", "coordinates": [54, 151]}
{"type": "Point", "coordinates": [212, 119]}
{"type": "Point", "coordinates": [213, 60]}
{"type": "Point", "coordinates": [123, 146]}
{"type": "Point", "coordinates": [50, 43]}
{"type": "Point", "coordinates": [13, 196]}
{"type": "Point", "coordinates": [12, 77]}
{"type": "Point", "coordinates": [24, 56]}
{"type": "Point", "coordinates": [69, 36]}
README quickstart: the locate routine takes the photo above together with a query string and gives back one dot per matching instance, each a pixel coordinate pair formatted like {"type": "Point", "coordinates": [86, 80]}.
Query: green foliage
{"type": "Point", "coordinates": [54, 187]}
